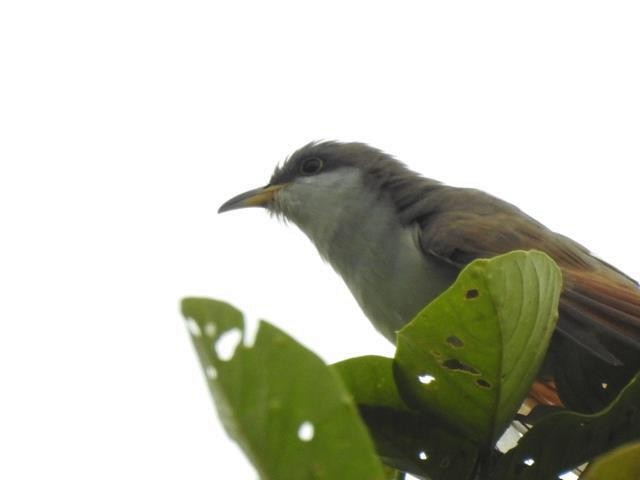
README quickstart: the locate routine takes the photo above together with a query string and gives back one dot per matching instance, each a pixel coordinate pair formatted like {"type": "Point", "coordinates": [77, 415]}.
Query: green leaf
{"type": "Point", "coordinates": [621, 464]}
{"type": "Point", "coordinates": [289, 411]}
{"type": "Point", "coordinates": [370, 381]}
{"type": "Point", "coordinates": [561, 441]}
{"type": "Point", "coordinates": [471, 355]}
{"type": "Point", "coordinates": [405, 439]}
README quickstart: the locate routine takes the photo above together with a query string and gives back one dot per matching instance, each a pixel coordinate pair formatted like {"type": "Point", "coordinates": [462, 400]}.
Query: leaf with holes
{"type": "Point", "coordinates": [563, 440]}
{"type": "Point", "coordinates": [289, 411]}
{"type": "Point", "coordinates": [471, 355]}
{"type": "Point", "coordinates": [405, 439]}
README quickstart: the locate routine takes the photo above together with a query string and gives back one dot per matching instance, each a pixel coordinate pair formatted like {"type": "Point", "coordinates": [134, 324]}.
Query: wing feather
{"type": "Point", "coordinates": [599, 306]}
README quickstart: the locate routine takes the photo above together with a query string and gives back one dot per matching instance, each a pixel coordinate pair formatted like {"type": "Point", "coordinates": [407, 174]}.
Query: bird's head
{"type": "Point", "coordinates": [323, 182]}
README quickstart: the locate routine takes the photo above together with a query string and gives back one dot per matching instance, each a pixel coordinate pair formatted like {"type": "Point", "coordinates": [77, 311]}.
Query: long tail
{"type": "Point", "coordinates": [597, 348]}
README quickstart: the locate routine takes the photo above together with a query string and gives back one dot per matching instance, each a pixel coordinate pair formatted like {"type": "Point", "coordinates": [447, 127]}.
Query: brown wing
{"type": "Point", "coordinates": [462, 236]}
{"type": "Point", "coordinates": [599, 306]}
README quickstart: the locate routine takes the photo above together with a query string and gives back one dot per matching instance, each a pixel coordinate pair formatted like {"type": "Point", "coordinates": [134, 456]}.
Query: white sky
{"type": "Point", "coordinates": [125, 124]}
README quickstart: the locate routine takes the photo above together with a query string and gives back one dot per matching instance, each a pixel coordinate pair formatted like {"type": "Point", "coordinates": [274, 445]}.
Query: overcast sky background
{"type": "Point", "coordinates": [125, 124]}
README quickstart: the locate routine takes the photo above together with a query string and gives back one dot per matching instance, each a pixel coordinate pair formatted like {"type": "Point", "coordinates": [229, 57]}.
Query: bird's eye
{"type": "Point", "coordinates": [311, 166]}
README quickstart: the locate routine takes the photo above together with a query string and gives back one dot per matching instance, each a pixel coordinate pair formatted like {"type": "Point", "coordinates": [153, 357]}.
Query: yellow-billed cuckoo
{"type": "Point", "coordinates": [398, 240]}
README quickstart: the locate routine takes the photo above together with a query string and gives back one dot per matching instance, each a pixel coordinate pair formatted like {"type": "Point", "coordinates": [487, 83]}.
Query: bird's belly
{"type": "Point", "coordinates": [392, 280]}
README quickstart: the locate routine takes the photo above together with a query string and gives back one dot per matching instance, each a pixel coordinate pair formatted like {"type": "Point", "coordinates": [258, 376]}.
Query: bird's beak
{"type": "Point", "coordinates": [258, 197]}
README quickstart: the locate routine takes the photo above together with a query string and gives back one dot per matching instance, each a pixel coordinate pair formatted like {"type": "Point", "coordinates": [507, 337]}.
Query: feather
{"type": "Point", "coordinates": [599, 305]}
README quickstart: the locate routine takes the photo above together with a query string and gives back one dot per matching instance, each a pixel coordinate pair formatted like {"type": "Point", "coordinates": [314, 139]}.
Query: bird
{"type": "Point", "coordinates": [399, 239]}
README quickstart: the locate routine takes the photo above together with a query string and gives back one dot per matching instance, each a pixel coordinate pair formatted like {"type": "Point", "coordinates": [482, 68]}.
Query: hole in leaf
{"type": "Point", "coordinates": [528, 461]}
{"type": "Point", "coordinates": [455, 341]}
{"type": "Point", "coordinates": [306, 431]}
{"type": "Point", "coordinates": [193, 327]}
{"type": "Point", "coordinates": [455, 364]}
{"type": "Point", "coordinates": [426, 379]}
{"type": "Point", "coordinates": [483, 383]}
{"type": "Point", "coordinates": [211, 372]}
{"type": "Point", "coordinates": [472, 293]}
{"type": "Point", "coordinates": [210, 329]}
{"type": "Point", "coordinates": [604, 386]}
{"type": "Point", "coordinates": [251, 324]}
{"type": "Point", "coordinates": [423, 456]}
{"type": "Point", "coordinates": [568, 475]}
{"type": "Point", "coordinates": [227, 343]}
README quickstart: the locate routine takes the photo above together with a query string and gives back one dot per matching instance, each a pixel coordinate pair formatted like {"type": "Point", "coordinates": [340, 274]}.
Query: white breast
{"type": "Point", "coordinates": [357, 231]}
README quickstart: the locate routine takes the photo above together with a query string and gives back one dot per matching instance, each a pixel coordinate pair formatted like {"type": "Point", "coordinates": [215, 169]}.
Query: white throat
{"type": "Point", "coordinates": [356, 229]}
